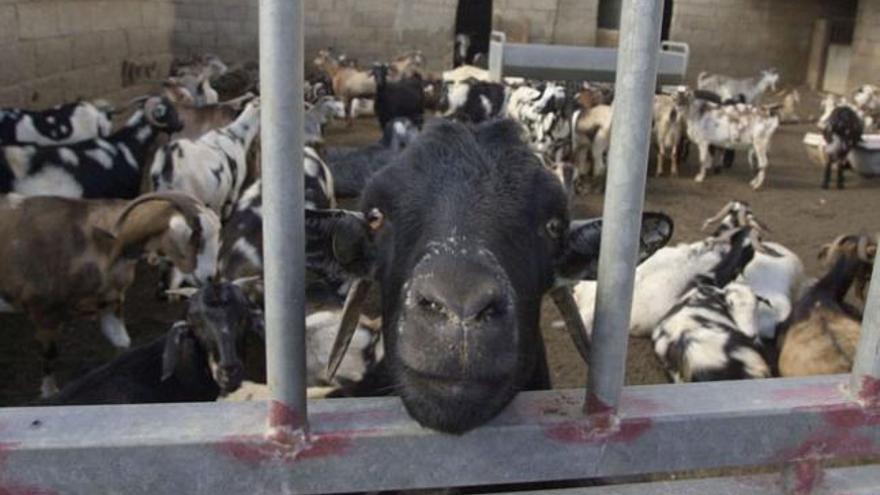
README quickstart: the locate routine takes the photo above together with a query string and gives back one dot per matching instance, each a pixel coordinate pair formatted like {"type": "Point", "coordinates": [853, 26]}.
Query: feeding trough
{"type": "Point", "coordinates": [865, 158]}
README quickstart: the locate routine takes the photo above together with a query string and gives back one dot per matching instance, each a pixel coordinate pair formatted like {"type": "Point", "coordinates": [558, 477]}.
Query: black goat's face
{"type": "Point", "coordinates": [465, 235]}
{"type": "Point", "coordinates": [219, 317]}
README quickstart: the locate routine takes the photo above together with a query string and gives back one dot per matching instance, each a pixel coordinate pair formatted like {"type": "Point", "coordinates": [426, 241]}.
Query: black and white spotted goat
{"type": "Point", "coordinates": [541, 110]}
{"type": "Point", "coordinates": [241, 249]}
{"type": "Point", "coordinates": [212, 168]}
{"type": "Point", "coordinates": [97, 168]}
{"type": "Point", "coordinates": [842, 132]}
{"type": "Point", "coordinates": [711, 333]}
{"type": "Point", "coordinates": [473, 101]}
{"type": "Point", "coordinates": [60, 125]}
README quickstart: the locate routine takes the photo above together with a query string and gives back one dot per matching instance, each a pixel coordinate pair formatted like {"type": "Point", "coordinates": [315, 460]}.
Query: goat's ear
{"type": "Point", "coordinates": [580, 259]}
{"type": "Point", "coordinates": [172, 348]}
{"type": "Point", "coordinates": [338, 240]}
{"type": "Point", "coordinates": [103, 239]}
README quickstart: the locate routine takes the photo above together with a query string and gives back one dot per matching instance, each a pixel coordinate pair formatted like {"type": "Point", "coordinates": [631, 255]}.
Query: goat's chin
{"type": "Point", "coordinates": [452, 406]}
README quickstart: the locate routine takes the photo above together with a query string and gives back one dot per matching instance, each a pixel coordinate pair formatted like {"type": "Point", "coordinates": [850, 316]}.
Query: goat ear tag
{"type": "Point", "coordinates": [172, 349]}
{"type": "Point", "coordinates": [351, 316]}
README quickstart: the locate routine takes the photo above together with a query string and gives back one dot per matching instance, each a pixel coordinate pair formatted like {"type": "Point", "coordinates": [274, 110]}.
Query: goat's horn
{"type": "Point", "coordinates": [351, 315]}
{"type": "Point", "coordinates": [565, 303]}
{"type": "Point", "coordinates": [188, 205]}
{"type": "Point", "coordinates": [721, 214]}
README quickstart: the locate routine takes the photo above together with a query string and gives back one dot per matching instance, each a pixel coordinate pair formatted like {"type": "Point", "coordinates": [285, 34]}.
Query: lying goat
{"type": "Point", "coordinates": [729, 88]}
{"type": "Point", "coordinates": [734, 126]}
{"type": "Point", "coordinates": [775, 274]}
{"type": "Point", "coordinates": [866, 98]}
{"type": "Point", "coordinates": [842, 132]}
{"type": "Point", "coordinates": [473, 101]}
{"type": "Point", "coordinates": [98, 168]}
{"type": "Point", "coordinates": [711, 334]}
{"type": "Point", "coordinates": [823, 332]}
{"type": "Point", "coordinates": [61, 125]}
{"type": "Point", "coordinates": [213, 168]}
{"type": "Point", "coordinates": [197, 360]}
{"type": "Point", "coordinates": [67, 259]}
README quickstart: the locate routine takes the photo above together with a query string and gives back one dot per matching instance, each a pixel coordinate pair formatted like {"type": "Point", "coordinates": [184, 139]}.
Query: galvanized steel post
{"type": "Point", "coordinates": [866, 369]}
{"type": "Point", "coordinates": [624, 198]}
{"type": "Point", "coordinates": [281, 76]}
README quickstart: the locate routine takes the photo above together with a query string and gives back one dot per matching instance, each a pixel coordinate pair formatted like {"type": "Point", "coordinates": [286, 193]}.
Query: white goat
{"type": "Point", "coordinates": [670, 119]}
{"type": "Point", "coordinates": [710, 334]}
{"type": "Point", "coordinates": [591, 135]}
{"type": "Point", "coordinates": [775, 274]}
{"type": "Point", "coordinates": [733, 127]}
{"type": "Point", "coordinates": [729, 88]}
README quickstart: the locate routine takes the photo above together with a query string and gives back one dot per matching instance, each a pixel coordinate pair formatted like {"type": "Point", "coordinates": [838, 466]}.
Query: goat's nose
{"type": "Point", "coordinates": [460, 290]}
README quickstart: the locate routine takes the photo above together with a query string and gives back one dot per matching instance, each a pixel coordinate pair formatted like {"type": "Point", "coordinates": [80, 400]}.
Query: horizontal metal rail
{"type": "Point", "coordinates": [372, 444]}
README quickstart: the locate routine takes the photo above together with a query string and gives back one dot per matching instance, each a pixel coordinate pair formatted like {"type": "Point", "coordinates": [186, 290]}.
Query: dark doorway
{"type": "Point", "coordinates": [667, 20]}
{"type": "Point", "coordinates": [473, 26]}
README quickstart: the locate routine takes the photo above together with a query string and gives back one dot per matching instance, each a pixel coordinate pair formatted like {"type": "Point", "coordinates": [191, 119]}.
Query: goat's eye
{"type": "Point", "coordinates": [555, 228]}
{"type": "Point", "coordinates": [375, 218]}
{"type": "Point", "coordinates": [160, 111]}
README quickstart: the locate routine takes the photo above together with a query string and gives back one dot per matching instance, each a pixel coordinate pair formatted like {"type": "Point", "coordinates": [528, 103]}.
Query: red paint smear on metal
{"type": "Point", "coordinates": [281, 415]}
{"type": "Point", "coordinates": [807, 476]}
{"type": "Point", "coordinates": [870, 392]}
{"type": "Point", "coordinates": [255, 449]}
{"type": "Point", "coordinates": [8, 487]}
{"type": "Point", "coordinates": [595, 405]}
{"type": "Point", "coordinates": [839, 438]}
{"type": "Point", "coordinates": [814, 392]}
{"type": "Point", "coordinates": [589, 431]}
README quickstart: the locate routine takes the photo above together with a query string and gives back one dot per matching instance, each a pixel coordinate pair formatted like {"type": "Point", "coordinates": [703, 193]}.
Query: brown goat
{"type": "Point", "coordinates": [348, 83]}
{"type": "Point", "coordinates": [67, 259]}
{"type": "Point", "coordinates": [823, 332]}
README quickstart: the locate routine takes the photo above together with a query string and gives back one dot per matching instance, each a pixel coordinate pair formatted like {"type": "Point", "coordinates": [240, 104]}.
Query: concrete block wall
{"type": "Point", "coordinates": [865, 62]}
{"type": "Point", "coordinates": [56, 51]}
{"type": "Point", "coordinates": [741, 37]}
{"type": "Point", "coordinates": [369, 30]}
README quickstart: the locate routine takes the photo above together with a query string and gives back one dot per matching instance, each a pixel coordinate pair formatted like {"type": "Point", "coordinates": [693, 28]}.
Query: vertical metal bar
{"type": "Point", "coordinates": [281, 76]}
{"type": "Point", "coordinates": [866, 369]}
{"type": "Point", "coordinates": [624, 198]}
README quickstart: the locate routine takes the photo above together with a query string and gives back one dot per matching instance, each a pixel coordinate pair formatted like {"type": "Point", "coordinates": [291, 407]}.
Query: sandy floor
{"type": "Point", "coordinates": [800, 214]}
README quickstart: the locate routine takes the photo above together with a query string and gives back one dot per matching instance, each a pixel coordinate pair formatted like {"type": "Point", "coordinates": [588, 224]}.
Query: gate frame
{"type": "Point", "coordinates": [372, 444]}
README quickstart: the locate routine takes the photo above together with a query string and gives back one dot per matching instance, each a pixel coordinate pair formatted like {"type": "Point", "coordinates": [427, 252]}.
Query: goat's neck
{"type": "Point", "coordinates": [138, 135]}
{"type": "Point", "coordinates": [840, 277]}
{"type": "Point", "coordinates": [246, 126]}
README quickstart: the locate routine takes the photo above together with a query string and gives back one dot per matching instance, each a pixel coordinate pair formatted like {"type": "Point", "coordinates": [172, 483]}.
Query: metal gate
{"type": "Point", "coordinates": [371, 444]}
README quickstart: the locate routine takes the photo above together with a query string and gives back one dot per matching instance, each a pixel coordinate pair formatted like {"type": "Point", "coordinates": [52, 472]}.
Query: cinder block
{"type": "Point", "coordinates": [8, 24]}
{"type": "Point", "coordinates": [86, 50]}
{"type": "Point", "coordinates": [38, 19]}
{"type": "Point", "coordinates": [53, 56]}
{"type": "Point", "coordinates": [114, 45]}
{"type": "Point", "coordinates": [76, 17]}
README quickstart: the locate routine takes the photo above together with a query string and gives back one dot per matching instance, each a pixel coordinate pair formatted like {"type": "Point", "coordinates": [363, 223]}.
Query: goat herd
{"type": "Point", "coordinates": [463, 226]}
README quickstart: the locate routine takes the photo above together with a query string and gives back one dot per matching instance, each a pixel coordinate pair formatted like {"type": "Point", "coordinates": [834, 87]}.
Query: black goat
{"type": "Point", "coordinates": [197, 360]}
{"type": "Point", "coordinates": [395, 99]}
{"type": "Point", "coordinates": [842, 133]}
{"type": "Point", "coordinates": [97, 168]}
{"type": "Point", "coordinates": [352, 167]}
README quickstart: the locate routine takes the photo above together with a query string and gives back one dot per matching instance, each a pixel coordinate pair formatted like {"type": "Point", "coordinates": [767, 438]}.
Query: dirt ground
{"type": "Point", "coordinates": [800, 215]}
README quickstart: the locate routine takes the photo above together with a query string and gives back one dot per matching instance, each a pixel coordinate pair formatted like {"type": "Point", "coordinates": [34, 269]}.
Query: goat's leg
{"type": "Point", "coordinates": [841, 168]}
{"type": "Point", "coordinates": [113, 327]}
{"type": "Point", "coordinates": [47, 336]}
{"type": "Point", "coordinates": [673, 161]}
{"type": "Point", "coordinates": [761, 153]}
{"type": "Point", "coordinates": [826, 181]}
{"type": "Point", "coordinates": [705, 161]}
{"type": "Point", "coordinates": [349, 119]}
{"type": "Point", "coordinates": [660, 159]}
